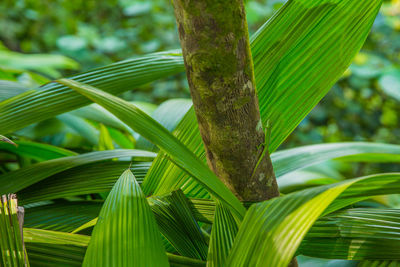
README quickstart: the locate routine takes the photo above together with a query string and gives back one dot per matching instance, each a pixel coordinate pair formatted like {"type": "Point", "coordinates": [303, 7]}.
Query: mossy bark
{"type": "Point", "coordinates": [215, 43]}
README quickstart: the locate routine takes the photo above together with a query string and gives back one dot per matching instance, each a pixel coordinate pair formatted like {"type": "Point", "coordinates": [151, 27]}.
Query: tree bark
{"type": "Point", "coordinates": [215, 43]}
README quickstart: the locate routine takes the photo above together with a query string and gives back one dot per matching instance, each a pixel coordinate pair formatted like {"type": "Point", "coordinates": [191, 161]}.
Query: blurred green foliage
{"type": "Point", "coordinates": [94, 33]}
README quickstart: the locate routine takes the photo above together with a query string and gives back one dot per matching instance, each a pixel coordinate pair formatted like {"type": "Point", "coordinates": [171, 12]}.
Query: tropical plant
{"type": "Point", "coordinates": [139, 192]}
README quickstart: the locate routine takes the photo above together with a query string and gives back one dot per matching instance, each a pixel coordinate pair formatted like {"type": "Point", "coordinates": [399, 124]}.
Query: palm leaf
{"type": "Point", "coordinates": [126, 233]}
{"type": "Point", "coordinates": [62, 216]}
{"type": "Point", "coordinates": [298, 55]}
{"type": "Point", "coordinates": [32, 235]}
{"type": "Point", "coordinates": [86, 225]}
{"type": "Point", "coordinates": [176, 222]}
{"type": "Point", "coordinates": [53, 99]}
{"type": "Point", "coordinates": [289, 160]}
{"type": "Point", "coordinates": [203, 209]}
{"type": "Point", "coordinates": [379, 263]}
{"type": "Point", "coordinates": [223, 233]}
{"type": "Point", "coordinates": [163, 176]}
{"type": "Point", "coordinates": [51, 255]}
{"type": "Point", "coordinates": [301, 52]}
{"type": "Point", "coordinates": [168, 114]}
{"type": "Point", "coordinates": [272, 231]}
{"type": "Point", "coordinates": [355, 234]}
{"type": "Point", "coordinates": [97, 113]}
{"type": "Point", "coordinates": [91, 178]}
{"type": "Point", "coordinates": [302, 179]}
{"type": "Point", "coordinates": [157, 134]}
{"type": "Point", "coordinates": [9, 89]}
{"type": "Point", "coordinates": [366, 187]}
{"type": "Point", "coordinates": [55, 249]}
{"type": "Point", "coordinates": [22, 178]}
{"type": "Point", "coordinates": [36, 151]}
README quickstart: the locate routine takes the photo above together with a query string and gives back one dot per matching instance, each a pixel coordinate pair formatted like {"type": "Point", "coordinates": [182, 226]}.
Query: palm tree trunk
{"type": "Point", "coordinates": [219, 68]}
{"type": "Point", "coordinates": [215, 43]}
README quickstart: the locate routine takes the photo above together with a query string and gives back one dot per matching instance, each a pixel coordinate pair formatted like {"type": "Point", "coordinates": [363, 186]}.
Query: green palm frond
{"type": "Point", "coordinates": [126, 233]}
{"type": "Point", "coordinates": [156, 133]}
{"type": "Point", "coordinates": [355, 234]}
{"type": "Point", "coordinates": [29, 175]}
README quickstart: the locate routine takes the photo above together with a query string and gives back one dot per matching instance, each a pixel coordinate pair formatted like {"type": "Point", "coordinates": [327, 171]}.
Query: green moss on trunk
{"type": "Point", "coordinates": [219, 67]}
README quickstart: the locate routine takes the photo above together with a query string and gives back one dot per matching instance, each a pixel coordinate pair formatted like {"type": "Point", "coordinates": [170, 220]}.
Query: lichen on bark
{"type": "Point", "coordinates": [215, 43]}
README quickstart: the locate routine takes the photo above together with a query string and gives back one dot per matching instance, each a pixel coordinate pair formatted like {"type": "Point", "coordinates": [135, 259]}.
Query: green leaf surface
{"type": "Point", "coordinates": [273, 230]}
{"type": "Point", "coordinates": [9, 89]}
{"type": "Point", "coordinates": [203, 209]}
{"type": "Point", "coordinates": [24, 177]}
{"type": "Point", "coordinates": [168, 114]}
{"type": "Point", "coordinates": [44, 249]}
{"type": "Point", "coordinates": [176, 222]}
{"type": "Point", "coordinates": [301, 52]}
{"type": "Point", "coordinates": [53, 99]}
{"type": "Point", "coordinates": [379, 264]}
{"type": "Point", "coordinates": [289, 160]}
{"type": "Point", "coordinates": [91, 178]}
{"type": "Point", "coordinates": [126, 233]}
{"type": "Point", "coordinates": [97, 113]}
{"type": "Point", "coordinates": [163, 176]}
{"type": "Point", "coordinates": [51, 255]}
{"type": "Point", "coordinates": [223, 232]}
{"type": "Point", "coordinates": [157, 134]}
{"type": "Point", "coordinates": [32, 235]}
{"type": "Point", "coordinates": [61, 216]}
{"type": "Point", "coordinates": [366, 187]}
{"type": "Point", "coordinates": [36, 151]}
{"type": "Point", "coordinates": [298, 55]}
{"type": "Point", "coordinates": [299, 180]}
{"type": "Point", "coordinates": [123, 140]}
{"type": "Point", "coordinates": [355, 234]}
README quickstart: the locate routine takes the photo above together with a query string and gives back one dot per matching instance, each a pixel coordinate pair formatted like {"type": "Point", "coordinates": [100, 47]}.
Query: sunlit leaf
{"type": "Point", "coordinates": [126, 233]}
